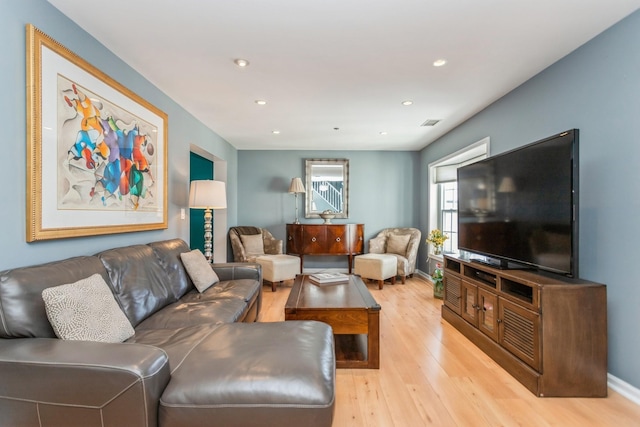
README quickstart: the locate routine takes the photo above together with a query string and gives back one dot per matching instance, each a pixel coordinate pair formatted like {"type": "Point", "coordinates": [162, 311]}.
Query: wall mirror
{"type": "Point", "coordinates": [327, 185]}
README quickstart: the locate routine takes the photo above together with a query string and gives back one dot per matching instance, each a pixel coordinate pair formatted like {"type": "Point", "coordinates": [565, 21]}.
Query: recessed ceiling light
{"type": "Point", "coordinates": [383, 133]}
{"type": "Point", "coordinates": [407, 102]}
{"type": "Point", "coordinates": [439, 62]}
{"type": "Point", "coordinates": [260, 102]}
{"type": "Point", "coordinates": [241, 62]}
{"type": "Point", "coordinates": [275, 132]}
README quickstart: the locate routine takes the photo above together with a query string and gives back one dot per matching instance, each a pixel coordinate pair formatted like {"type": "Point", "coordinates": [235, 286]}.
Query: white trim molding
{"type": "Point", "coordinates": [422, 274]}
{"type": "Point", "coordinates": [624, 388]}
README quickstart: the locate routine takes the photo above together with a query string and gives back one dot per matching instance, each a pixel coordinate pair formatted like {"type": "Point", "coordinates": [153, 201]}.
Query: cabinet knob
{"type": "Point", "coordinates": [499, 320]}
{"type": "Point", "coordinates": [337, 239]}
{"type": "Point", "coordinates": [290, 238]}
{"type": "Point", "coordinates": [313, 239]}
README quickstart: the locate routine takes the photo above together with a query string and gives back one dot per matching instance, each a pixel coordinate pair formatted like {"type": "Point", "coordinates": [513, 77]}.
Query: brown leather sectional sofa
{"type": "Point", "coordinates": [196, 358]}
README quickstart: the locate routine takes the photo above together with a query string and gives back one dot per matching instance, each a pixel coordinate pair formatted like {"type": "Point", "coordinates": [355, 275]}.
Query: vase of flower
{"type": "Point", "coordinates": [438, 284]}
{"type": "Point", "coordinates": [437, 238]}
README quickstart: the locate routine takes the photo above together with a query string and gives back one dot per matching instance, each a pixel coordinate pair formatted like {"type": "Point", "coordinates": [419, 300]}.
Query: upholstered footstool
{"type": "Point", "coordinates": [276, 268]}
{"type": "Point", "coordinates": [378, 267]}
{"type": "Point", "coordinates": [255, 374]}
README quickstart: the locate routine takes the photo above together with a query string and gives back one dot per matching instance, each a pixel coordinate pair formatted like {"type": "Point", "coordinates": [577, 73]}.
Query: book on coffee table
{"type": "Point", "coordinates": [328, 278]}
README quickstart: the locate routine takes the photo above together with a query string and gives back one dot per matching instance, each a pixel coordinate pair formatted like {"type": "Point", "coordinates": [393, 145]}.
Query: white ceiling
{"type": "Point", "coordinates": [347, 64]}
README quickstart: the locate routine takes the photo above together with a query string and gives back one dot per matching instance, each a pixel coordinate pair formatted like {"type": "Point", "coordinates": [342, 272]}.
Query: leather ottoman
{"type": "Point", "coordinates": [276, 373]}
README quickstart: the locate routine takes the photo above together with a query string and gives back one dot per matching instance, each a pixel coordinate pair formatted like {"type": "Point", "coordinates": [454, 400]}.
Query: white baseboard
{"type": "Point", "coordinates": [624, 388]}
{"type": "Point", "coordinates": [422, 274]}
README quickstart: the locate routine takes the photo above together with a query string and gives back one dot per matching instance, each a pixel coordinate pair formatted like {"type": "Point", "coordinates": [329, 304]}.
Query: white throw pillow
{"type": "Point", "coordinates": [397, 244]}
{"type": "Point", "coordinates": [86, 311]}
{"type": "Point", "coordinates": [253, 244]}
{"type": "Point", "coordinates": [199, 270]}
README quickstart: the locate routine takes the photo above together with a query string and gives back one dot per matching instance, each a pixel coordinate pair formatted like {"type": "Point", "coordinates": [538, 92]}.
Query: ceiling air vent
{"type": "Point", "coordinates": [430, 122]}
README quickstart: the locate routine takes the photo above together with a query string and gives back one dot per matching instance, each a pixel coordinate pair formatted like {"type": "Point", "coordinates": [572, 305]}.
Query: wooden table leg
{"type": "Point", "coordinates": [373, 340]}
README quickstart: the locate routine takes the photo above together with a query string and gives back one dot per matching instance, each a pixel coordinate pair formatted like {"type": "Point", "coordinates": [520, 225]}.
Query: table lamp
{"type": "Point", "coordinates": [295, 188]}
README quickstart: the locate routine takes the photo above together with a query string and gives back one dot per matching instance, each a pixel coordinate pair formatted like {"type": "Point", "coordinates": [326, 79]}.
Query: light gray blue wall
{"type": "Point", "coordinates": [383, 191]}
{"type": "Point", "coordinates": [597, 90]}
{"type": "Point", "coordinates": [184, 130]}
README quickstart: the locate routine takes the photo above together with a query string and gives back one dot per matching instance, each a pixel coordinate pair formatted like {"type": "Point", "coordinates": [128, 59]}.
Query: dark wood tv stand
{"type": "Point", "coordinates": [549, 332]}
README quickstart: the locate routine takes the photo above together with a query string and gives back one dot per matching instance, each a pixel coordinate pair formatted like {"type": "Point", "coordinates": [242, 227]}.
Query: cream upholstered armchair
{"type": "Point", "coordinates": [254, 244]}
{"type": "Point", "coordinates": [403, 243]}
{"type": "Point", "coordinates": [248, 243]}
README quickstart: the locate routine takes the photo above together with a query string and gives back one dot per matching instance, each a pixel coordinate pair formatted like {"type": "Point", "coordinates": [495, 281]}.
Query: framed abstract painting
{"type": "Point", "coordinates": [96, 151]}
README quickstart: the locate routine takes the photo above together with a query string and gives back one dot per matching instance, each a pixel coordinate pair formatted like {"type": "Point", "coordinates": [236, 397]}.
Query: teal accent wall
{"type": "Point", "coordinates": [383, 191]}
{"type": "Point", "coordinates": [597, 90]}
{"type": "Point", "coordinates": [200, 168]}
{"type": "Point", "coordinates": [184, 130]}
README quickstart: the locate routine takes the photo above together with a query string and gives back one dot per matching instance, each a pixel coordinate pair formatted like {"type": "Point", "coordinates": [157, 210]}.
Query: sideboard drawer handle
{"type": "Point", "coordinates": [337, 239]}
{"type": "Point", "coordinates": [313, 239]}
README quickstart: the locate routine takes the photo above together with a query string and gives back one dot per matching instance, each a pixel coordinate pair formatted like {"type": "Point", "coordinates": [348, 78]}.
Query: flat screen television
{"type": "Point", "coordinates": [519, 209]}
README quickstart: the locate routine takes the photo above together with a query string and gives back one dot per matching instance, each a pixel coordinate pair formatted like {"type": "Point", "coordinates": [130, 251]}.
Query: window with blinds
{"type": "Point", "coordinates": [443, 206]}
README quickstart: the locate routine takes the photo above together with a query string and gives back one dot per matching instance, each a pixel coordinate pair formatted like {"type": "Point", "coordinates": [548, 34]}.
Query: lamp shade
{"type": "Point", "coordinates": [296, 186]}
{"type": "Point", "coordinates": [507, 185]}
{"type": "Point", "coordinates": [207, 194]}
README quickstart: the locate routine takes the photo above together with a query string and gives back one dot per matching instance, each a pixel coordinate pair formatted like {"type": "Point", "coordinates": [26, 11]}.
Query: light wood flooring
{"type": "Point", "coordinates": [432, 375]}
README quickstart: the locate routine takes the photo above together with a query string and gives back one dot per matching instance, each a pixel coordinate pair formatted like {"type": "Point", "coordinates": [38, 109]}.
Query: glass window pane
{"type": "Point", "coordinates": [448, 214]}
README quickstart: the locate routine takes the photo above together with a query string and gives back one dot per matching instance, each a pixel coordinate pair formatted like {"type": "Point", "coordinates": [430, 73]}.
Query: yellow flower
{"type": "Point", "coordinates": [436, 237]}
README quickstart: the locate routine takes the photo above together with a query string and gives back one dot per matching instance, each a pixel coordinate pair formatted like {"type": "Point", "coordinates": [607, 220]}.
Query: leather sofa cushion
{"type": "Point", "coordinates": [260, 374]}
{"type": "Point", "coordinates": [244, 289]}
{"type": "Point", "coordinates": [168, 253]}
{"type": "Point", "coordinates": [181, 314]}
{"type": "Point", "coordinates": [21, 305]}
{"type": "Point", "coordinates": [138, 281]}
{"type": "Point", "coordinates": [176, 342]}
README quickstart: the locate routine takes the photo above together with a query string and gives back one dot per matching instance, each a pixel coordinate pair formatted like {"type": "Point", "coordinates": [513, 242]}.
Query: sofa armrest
{"type": "Point", "coordinates": [238, 270]}
{"type": "Point", "coordinates": [56, 381]}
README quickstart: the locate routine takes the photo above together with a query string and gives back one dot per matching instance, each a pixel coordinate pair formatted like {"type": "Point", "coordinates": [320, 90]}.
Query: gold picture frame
{"type": "Point", "coordinates": [96, 151]}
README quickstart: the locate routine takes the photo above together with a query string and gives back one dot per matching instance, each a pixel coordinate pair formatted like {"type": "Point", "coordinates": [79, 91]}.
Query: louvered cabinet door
{"type": "Point", "coordinates": [452, 292]}
{"type": "Point", "coordinates": [470, 303]}
{"type": "Point", "coordinates": [487, 313]}
{"type": "Point", "coordinates": [519, 332]}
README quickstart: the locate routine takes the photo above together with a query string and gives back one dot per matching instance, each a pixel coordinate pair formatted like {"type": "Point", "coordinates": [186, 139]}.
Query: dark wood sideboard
{"type": "Point", "coordinates": [549, 332]}
{"type": "Point", "coordinates": [325, 239]}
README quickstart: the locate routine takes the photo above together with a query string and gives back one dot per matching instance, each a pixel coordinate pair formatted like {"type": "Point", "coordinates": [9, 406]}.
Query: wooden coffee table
{"type": "Point", "coordinates": [352, 312]}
